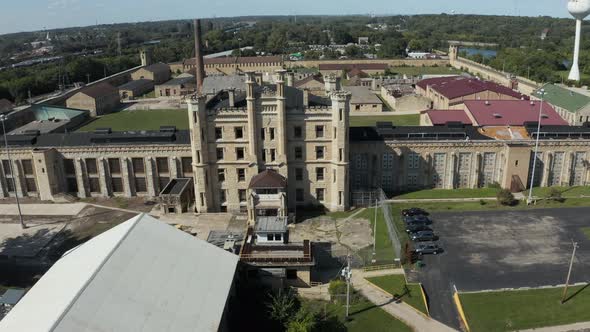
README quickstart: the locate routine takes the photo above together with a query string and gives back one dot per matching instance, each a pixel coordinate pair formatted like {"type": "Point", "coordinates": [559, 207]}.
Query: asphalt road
{"type": "Point", "coordinates": [498, 249]}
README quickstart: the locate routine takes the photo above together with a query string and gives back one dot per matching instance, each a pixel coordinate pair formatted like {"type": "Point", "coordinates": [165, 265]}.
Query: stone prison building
{"type": "Point", "coordinates": [272, 148]}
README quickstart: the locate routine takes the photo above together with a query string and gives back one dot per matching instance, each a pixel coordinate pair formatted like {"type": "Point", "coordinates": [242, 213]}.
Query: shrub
{"type": "Point", "coordinates": [555, 195]}
{"type": "Point", "coordinates": [494, 185]}
{"type": "Point", "coordinates": [337, 288]}
{"type": "Point", "coordinates": [505, 197]}
{"type": "Point", "coordinates": [482, 202]}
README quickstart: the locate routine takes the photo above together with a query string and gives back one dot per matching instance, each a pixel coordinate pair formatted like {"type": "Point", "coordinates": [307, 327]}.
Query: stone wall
{"type": "Point", "coordinates": [390, 62]}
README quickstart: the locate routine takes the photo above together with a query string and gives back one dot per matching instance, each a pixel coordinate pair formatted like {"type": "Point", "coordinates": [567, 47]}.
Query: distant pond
{"type": "Point", "coordinates": [485, 53]}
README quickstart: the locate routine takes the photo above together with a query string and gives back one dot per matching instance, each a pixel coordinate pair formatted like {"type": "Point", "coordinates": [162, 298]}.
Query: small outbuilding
{"type": "Point", "coordinates": [136, 88]}
{"type": "Point", "coordinates": [182, 85]}
{"type": "Point", "coordinates": [99, 99]}
{"type": "Point", "coordinates": [157, 73]}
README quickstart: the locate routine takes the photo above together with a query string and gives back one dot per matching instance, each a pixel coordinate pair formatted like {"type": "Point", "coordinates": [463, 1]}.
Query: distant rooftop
{"type": "Point", "coordinates": [563, 97]}
{"type": "Point", "coordinates": [136, 84]}
{"type": "Point", "coordinates": [441, 117]}
{"type": "Point", "coordinates": [12, 296]}
{"type": "Point", "coordinates": [511, 112]}
{"type": "Point", "coordinates": [453, 87]}
{"type": "Point", "coordinates": [362, 95]}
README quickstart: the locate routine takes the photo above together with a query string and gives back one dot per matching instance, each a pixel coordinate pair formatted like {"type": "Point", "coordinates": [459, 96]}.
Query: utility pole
{"type": "Point", "coordinates": [569, 272]}
{"type": "Point", "coordinates": [347, 273]}
{"type": "Point", "coordinates": [535, 157]}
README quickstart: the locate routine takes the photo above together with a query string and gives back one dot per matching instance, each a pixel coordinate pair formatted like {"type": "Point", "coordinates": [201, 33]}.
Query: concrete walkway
{"type": "Point", "coordinates": [410, 316]}
{"type": "Point", "coordinates": [577, 327]}
{"type": "Point", "coordinates": [43, 209]}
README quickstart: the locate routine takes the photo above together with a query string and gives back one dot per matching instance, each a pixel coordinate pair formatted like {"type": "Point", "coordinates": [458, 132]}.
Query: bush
{"type": "Point", "coordinates": [494, 185]}
{"type": "Point", "coordinates": [337, 291]}
{"type": "Point", "coordinates": [555, 195]}
{"type": "Point", "coordinates": [505, 197]}
{"type": "Point", "coordinates": [482, 202]}
{"type": "Point", "coordinates": [337, 288]}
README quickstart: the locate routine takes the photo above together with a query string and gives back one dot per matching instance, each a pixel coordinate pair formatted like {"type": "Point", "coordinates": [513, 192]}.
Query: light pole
{"type": "Point", "coordinates": [569, 272]}
{"type": "Point", "coordinates": [3, 118]}
{"type": "Point", "coordinates": [530, 199]}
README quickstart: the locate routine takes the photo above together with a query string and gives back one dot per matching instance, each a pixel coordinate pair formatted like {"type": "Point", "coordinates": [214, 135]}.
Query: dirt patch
{"type": "Point", "coordinates": [353, 234]}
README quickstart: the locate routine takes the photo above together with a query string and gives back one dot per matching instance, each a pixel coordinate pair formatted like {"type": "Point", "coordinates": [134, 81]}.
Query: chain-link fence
{"type": "Point", "coordinates": [391, 229]}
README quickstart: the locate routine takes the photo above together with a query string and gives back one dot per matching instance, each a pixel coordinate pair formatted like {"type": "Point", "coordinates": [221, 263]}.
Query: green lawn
{"type": "Point", "coordinates": [398, 120]}
{"type": "Point", "coordinates": [394, 285]}
{"type": "Point", "coordinates": [565, 191]}
{"type": "Point", "coordinates": [342, 214]}
{"type": "Point", "coordinates": [140, 120]}
{"type": "Point", "coordinates": [515, 310]}
{"type": "Point", "coordinates": [450, 193]}
{"type": "Point", "coordinates": [384, 253]}
{"type": "Point", "coordinates": [586, 231]}
{"type": "Point", "coordinates": [415, 71]}
{"type": "Point", "coordinates": [364, 316]}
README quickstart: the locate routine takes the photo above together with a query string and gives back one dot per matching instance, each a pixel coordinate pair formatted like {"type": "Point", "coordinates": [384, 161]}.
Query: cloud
{"type": "Point", "coordinates": [62, 4]}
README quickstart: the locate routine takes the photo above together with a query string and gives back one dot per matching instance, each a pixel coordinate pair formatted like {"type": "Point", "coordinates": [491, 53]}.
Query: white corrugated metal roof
{"type": "Point", "coordinates": [142, 275]}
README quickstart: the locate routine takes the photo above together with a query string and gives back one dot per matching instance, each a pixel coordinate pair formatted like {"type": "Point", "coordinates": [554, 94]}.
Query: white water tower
{"type": "Point", "coordinates": [579, 10]}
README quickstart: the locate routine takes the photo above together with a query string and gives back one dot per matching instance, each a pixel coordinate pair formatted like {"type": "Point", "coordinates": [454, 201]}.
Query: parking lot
{"type": "Point", "coordinates": [500, 249]}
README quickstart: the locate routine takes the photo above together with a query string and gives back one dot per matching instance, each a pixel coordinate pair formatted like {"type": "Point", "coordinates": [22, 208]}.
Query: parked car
{"type": "Point", "coordinates": [411, 228]}
{"type": "Point", "coordinates": [418, 219]}
{"type": "Point", "coordinates": [414, 212]}
{"type": "Point", "coordinates": [424, 248]}
{"type": "Point", "coordinates": [423, 236]}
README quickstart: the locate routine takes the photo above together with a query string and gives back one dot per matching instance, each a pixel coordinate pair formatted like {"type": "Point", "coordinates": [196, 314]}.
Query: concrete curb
{"type": "Point", "coordinates": [459, 306]}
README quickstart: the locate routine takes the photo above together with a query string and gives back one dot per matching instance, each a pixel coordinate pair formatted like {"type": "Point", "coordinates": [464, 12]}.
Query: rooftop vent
{"type": "Point", "coordinates": [544, 116]}
{"type": "Point", "coordinates": [532, 103]}
{"type": "Point", "coordinates": [487, 102]}
{"type": "Point", "coordinates": [103, 131]}
{"type": "Point", "coordinates": [497, 115]}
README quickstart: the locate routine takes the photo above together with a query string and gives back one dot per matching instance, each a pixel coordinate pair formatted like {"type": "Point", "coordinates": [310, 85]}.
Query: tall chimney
{"type": "Point", "coordinates": [199, 65]}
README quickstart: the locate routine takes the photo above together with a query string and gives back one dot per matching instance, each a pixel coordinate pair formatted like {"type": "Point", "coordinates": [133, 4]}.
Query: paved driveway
{"type": "Point", "coordinates": [499, 249]}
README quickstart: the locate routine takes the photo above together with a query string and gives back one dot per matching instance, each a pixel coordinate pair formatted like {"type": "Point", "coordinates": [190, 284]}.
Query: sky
{"type": "Point", "coordinates": [33, 15]}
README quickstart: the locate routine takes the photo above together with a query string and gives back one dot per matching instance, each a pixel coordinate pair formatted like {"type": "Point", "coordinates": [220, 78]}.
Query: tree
{"type": "Point", "coordinates": [276, 42]}
{"type": "Point", "coordinates": [282, 306]}
{"type": "Point", "coordinates": [304, 321]}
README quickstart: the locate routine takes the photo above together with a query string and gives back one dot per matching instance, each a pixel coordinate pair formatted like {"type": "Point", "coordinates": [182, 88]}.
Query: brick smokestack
{"type": "Point", "coordinates": [199, 65]}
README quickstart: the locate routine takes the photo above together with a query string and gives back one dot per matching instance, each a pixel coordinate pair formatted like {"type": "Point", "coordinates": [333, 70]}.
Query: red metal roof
{"type": "Point", "coordinates": [457, 86]}
{"type": "Point", "coordinates": [441, 117]}
{"type": "Point", "coordinates": [512, 112]}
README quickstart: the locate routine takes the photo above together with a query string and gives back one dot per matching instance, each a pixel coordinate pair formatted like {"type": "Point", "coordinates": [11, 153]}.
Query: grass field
{"type": "Point", "coordinates": [384, 253]}
{"type": "Point", "coordinates": [140, 120]}
{"type": "Point", "coordinates": [515, 310]}
{"type": "Point", "coordinates": [398, 120]}
{"type": "Point", "coordinates": [415, 71]}
{"type": "Point", "coordinates": [565, 191]}
{"type": "Point", "coordinates": [450, 193]}
{"type": "Point", "coordinates": [394, 285]}
{"type": "Point", "coordinates": [586, 231]}
{"type": "Point", "coordinates": [364, 316]}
